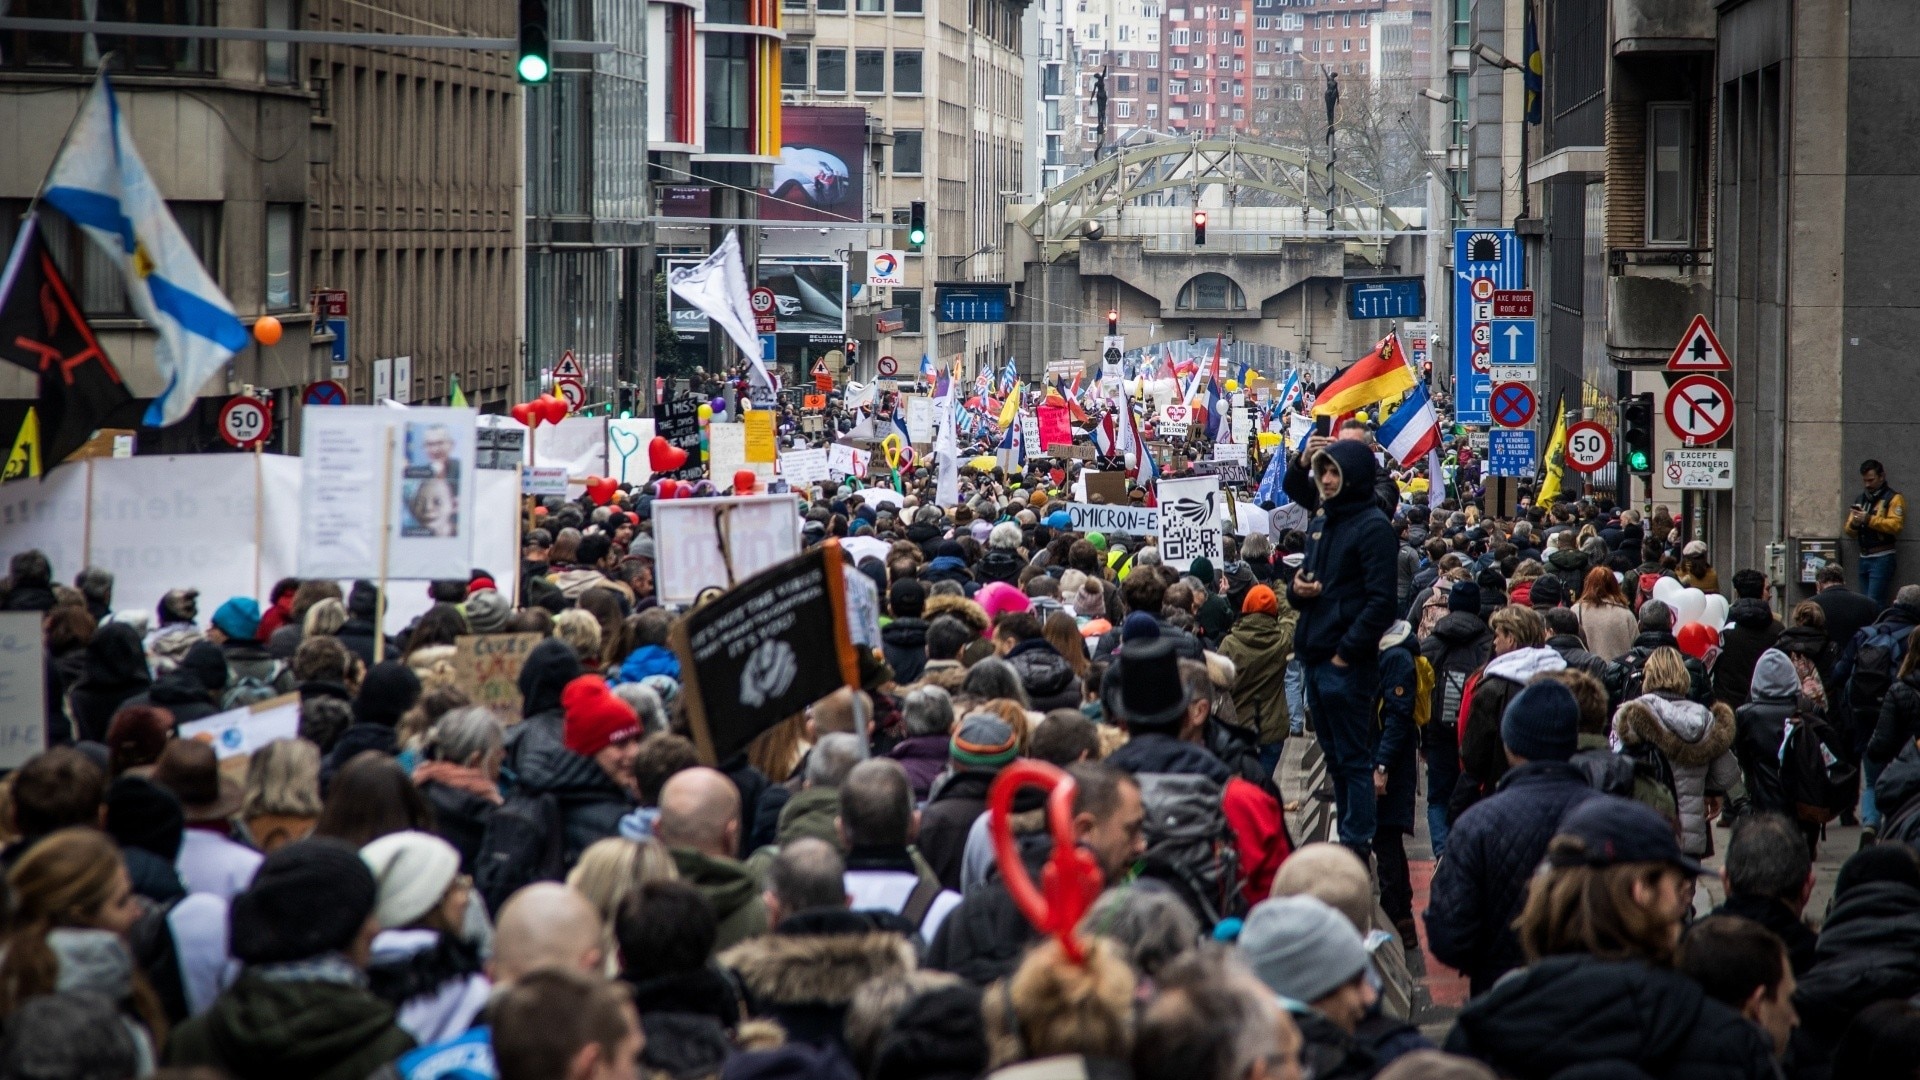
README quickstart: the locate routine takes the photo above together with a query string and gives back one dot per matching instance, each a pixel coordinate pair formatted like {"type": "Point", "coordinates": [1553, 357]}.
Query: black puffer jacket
{"type": "Point", "coordinates": [1751, 630]}
{"type": "Point", "coordinates": [904, 641]}
{"type": "Point", "coordinates": [1896, 792]}
{"type": "Point", "coordinates": [984, 938]}
{"type": "Point", "coordinates": [591, 804]}
{"type": "Point", "coordinates": [1570, 567]}
{"type": "Point", "coordinates": [951, 809]}
{"type": "Point", "coordinates": [1623, 677]}
{"type": "Point", "coordinates": [1575, 1010]}
{"type": "Point", "coordinates": [1351, 554]}
{"type": "Point", "coordinates": [1760, 726]}
{"type": "Point", "coordinates": [1459, 644]}
{"type": "Point", "coordinates": [1050, 683]}
{"type": "Point", "coordinates": [1899, 721]}
{"type": "Point", "coordinates": [999, 564]}
{"type": "Point", "coordinates": [1868, 951]}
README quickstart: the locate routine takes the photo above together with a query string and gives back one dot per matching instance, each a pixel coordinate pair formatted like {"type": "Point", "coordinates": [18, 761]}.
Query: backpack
{"type": "Point", "coordinates": [249, 690]}
{"type": "Point", "coordinates": [1816, 782]}
{"type": "Point", "coordinates": [1653, 782]}
{"type": "Point", "coordinates": [1190, 845]}
{"type": "Point", "coordinates": [523, 843]}
{"type": "Point", "coordinates": [1876, 656]}
{"type": "Point", "coordinates": [1423, 682]}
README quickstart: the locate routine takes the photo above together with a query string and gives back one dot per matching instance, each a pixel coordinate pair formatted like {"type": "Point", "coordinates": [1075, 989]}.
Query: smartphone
{"type": "Point", "coordinates": [1323, 426]}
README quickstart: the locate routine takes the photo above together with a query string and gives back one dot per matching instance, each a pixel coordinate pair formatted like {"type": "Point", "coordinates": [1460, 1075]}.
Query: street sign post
{"type": "Point", "coordinates": [244, 421]}
{"type": "Point", "coordinates": [324, 392]}
{"type": "Point", "coordinates": [1514, 341]}
{"type": "Point", "coordinates": [1589, 446]}
{"type": "Point", "coordinates": [1485, 262]}
{"type": "Point", "coordinates": [1699, 410]}
{"type": "Point", "coordinates": [1512, 404]}
{"type": "Point", "coordinates": [1510, 453]}
{"type": "Point", "coordinates": [1697, 470]}
{"type": "Point", "coordinates": [568, 368]}
{"type": "Point", "coordinates": [1513, 303]}
{"type": "Point", "coordinates": [761, 299]}
{"type": "Point", "coordinates": [888, 367]}
{"type": "Point", "coordinates": [1521, 373]}
{"type": "Point", "coordinates": [573, 390]}
{"type": "Point", "coordinates": [1699, 350]}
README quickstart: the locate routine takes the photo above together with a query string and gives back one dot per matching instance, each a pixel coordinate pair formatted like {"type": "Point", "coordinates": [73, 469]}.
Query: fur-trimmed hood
{"type": "Point", "coordinates": [967, 611]}
{"type": "Point", "coordinates": [787, 969]}
{"type": "Point", "coordinates": [1690, 734]}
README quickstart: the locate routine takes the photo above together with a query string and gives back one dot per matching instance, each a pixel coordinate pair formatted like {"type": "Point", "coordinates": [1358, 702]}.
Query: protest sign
{"type": "Point", "coordinates": [1110, 486]}
{"type": "Point", "coordinates": [542, 481]}
{"type": "Point", "coordinates": [418, 465]}
{"type": "Point", "coordinates": [23, 689]}
{"type": "Point", "coordinates": [627, 441]}
{"type": "Point", "coordinates": [760, 448]}
{"type": "Point", "coordinates": [920, 418]}
{"type": "Point", "coordinates": [1054, 427]}
{"type": "Point", "coordinates": [764, 651]}
{"type": "Point", "coordinates": [577, 442]}
{"type": "Point", "coordinates": [804, 467]}
{"type": "Point", "coordinates": [714, 543]}
{"type": "Point", "coordinates": [1190, 513]}
{"type": "Point", "coordinates": [844, 460]}
{"type": "Point", "coordinates": [1030, 434]}
{"type": "Point", "coordinates": [488, 669]}
{"type": "Point", "coordinates": [500, 442]}
{"type": "Point", "coordinates": [239, 732]}
{"type": "Point", "coordinates": [678, 422]}
{"type": "Point", "coordinates": [1091, 517]}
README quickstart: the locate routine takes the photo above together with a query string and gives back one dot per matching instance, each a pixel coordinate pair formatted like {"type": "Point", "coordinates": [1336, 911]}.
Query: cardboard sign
{"type": "Point", "coordinates": [1110, 486]}
{"type": "Point", "coordinates": [1092, 517]}
{"type": "Point", "coordinates": [813, 402]}
{"type": "Point", "coordinates": [844, 460]}
{"type": "Point", "coordinates": [1190, 515]}
{"type": "Point", "coordinates": [715, 543]}
{"type": "Point", "coordinates": [488, 667]}
{"type": "Point", "coordinates": [764, 651]}
{"type": "Point", "coordinates": [1071, 450]}
{"type": "Point", "coordinates": [237, 733]}
{"type": "Point", "coordinates": [23, 689]}
{"type": "Point", "coordinates": [805, 467]}
{"type": "Point", "coordinates": [760, 447]}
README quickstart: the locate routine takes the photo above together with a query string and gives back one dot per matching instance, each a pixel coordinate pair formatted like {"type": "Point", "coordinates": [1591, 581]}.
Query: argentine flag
{"type": "Point", "coordinates": [100, 183]}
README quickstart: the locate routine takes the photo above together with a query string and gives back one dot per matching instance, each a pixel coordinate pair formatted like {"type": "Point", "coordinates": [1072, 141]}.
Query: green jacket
{"type": "Point", "coordinates": [1260, 646]}
{"type": "Point", "coordinates": [291, 1031]}
{"type": "Point", "coordinates": [810, 813]}
{"type": "Point", "coordinates": [731, 888]}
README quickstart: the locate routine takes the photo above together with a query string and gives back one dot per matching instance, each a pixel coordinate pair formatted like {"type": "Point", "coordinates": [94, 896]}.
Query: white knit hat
{"type": "Point", "coordinates": [413, 871]}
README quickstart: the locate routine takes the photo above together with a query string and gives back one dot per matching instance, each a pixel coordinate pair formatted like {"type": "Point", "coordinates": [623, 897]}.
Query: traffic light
{"type": "Point", "coordinates": [534, 63]}
{"type": "Point", "coordinates": [1113, 321]}
{"type": "Point", "coordinates": [1199, 228]}
{"type": "Point", "coordinates": [916, 225]}
{"type": "Point", "coordinates": [1636, 433]}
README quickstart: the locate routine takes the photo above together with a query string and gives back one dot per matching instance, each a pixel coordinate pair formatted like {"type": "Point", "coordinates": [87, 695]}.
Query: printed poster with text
{"type": "Point", "coordinates": [429, 473]}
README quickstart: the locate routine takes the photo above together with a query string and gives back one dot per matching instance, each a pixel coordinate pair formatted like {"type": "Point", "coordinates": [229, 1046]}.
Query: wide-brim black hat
{"type": "Point", "coordinates": [1151, 692]}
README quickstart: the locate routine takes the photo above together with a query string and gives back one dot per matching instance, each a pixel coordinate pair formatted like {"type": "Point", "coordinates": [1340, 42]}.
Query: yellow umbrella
{"type": "Point", "coordinates": [984, 463]}
{"type": "Point", "coordinates": [1269, 440]}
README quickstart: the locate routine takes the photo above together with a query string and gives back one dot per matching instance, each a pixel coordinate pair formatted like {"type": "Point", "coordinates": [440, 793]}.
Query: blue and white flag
{"type": "Point", "coordinates": [926, 367]}
{"type": "Point", "coordinates": [100, 183]}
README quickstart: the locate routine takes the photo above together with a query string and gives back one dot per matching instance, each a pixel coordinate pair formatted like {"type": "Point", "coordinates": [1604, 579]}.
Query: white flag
{"type": "Point", "coordinates": [717, 285]}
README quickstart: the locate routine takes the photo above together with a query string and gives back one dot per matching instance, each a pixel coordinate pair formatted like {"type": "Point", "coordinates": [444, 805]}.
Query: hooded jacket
{"type": "Point", "coordinates": [951, 807]}
{"type": "Point", "coordinates": [1570, 566]}
{"type": "Point", "coordinates": [537, 758]}
{"type": "Point", "coordinates": [1351, 554]}
{"type": "Point", "coordinates": [806, 972]}
{"type": "Point", "coordinates": [732, 890]}
{"type": "Point", "coordinates": [292, 1029]}
{"type": "Point", "coordinates": [116, 670]}
{"type": "Point", "coordinates": [925, 758]}
{"type": "Point", "coordinates": [648, 660]}
{"type": "Point", "coordinates": [1697, 740]}
{"type": "Point", "coordinates": [1260, 646]}
{"type": "Point", "coordinates": [1899, 722]}
{"type": "Point", "coordinates": [1049, 682]}
{"type": "Point", "coordinates": [1575, 653]}
{"type": "Point", "coordinates": [1868, 951]}
{"type": "Point", "coordinates": [1898, 786]}
{"type": "Point", "coordinates": [1760, 726]}
{"type": "Point", "coordinates": [1483, 756]}
{"type": "Point", "coordinates": [1567, 1011]}
{"type": "Point", "coordinates": [984, 938]}
{"type": "Point", "coordinates": [999, 564]}
{"type": "Point", "coordinates": [1623, 676]}
{"type": "Point", "coordinates": [1751, 630]}
{"type": "Point", "coordinates": [904, 642]}
{"type": "Point", "coordinates": [1459, 645]}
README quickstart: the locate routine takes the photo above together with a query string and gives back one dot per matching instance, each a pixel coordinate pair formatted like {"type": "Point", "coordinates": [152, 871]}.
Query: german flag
{"type": "Point", "coordinates": [1382, 374]}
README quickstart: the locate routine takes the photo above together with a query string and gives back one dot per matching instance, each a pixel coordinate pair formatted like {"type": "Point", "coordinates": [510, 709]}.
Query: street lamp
{"type": "Point", "coordinates": [1431, 94]}
{"type": "Point", "coordinates": [1491, 55]}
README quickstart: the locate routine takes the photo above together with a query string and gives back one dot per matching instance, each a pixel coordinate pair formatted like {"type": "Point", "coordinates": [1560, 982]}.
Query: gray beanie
{"type": "Point", "coordinates": [1301, 948]}
{"type": "Point", "coordinates": [487, 611]}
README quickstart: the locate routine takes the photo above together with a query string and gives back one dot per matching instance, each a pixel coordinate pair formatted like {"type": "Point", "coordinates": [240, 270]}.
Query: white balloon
{"type": "Point", "coordinates": [1691, 604]}
{"type": "Point", "coordinates": [1716, 614]}
{"type": "Point", "coordinates": [1667, 590]}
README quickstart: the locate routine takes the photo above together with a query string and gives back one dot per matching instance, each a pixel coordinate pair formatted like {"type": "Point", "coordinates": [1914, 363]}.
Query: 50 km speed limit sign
{"type": "Point", "coordinates": [244, 421]}
{"type": "Point", "coordinates": [1589, 446]}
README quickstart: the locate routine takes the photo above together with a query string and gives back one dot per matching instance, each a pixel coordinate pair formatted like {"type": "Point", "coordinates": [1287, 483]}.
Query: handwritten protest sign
{"type": "Point", "coordinates": [488, 668]}
{"type": "Point", "coordinates": [23, 689]}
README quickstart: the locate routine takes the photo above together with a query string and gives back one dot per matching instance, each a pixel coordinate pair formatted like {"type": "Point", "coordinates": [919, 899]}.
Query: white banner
{"type": "Point", "coordinates": [422, 458]}
{"type": "Point", "coordinates": [803, 467]}
{"type": "Point", "coordinates": [920, 419]}
{"type": "Point", "coordinates": [706, 543]}
{"type": "Point", "coordinates": [627, 441]}
{"type": "Point", "coordinates": [23, 688]}
{"type": "Point", "coordinates": [579, 443]}
{"type": "Point", "coordinates": [1190, 511]}
{"type": "Point", "coordinates": [1094, 517]}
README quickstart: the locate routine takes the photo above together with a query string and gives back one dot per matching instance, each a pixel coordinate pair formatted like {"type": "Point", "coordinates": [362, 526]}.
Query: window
{"type": "Point", "coordinates": [830, 5]}
{"type": "Point", "coordinates": [1239, 90]}
{"type": "Point", "coordinates": [283, 245]}
{"type": "Point", "coordinates": [1296, 92]}
{"type": "Point", "coordinates": [1153, 85]}
{"type": "Point", "coordinates": [906, 153]}
{"type": "Point", "coordinates": [1176, 63]}
{"type": "Point", "coordinates": [1124, 110]}
{"type": "Point", "coordinates": [1262, 70]}
{"type": "Point", "coordinates": [729, 94]}
{"type": "Point", "coordinates": [1153, 111]}
{"type": "Point", "coordinates": [870, 71]}
{"type": "Point", "coordinates": [1123, 84]}
{"type": "Point", "coordinates": [96, 279]}
{"type": "Point", "coordinates": [907, 7]}
{"type": "Point", "coordinates": [1176, 86]}
{"type": "Point", "coordinates": [793, 67]}
{"type": "Point", "coordinates": [1176, 112]}
{"type": "Point", "coordinates": [908, 301]}
{"type": "Point", "coordinates": [1346, 44]}
{"type": "Point", "coordinates": [830, 71]}
{"type": "Point", "coordinates": [906, 71]}
{"type": "Point", "coordinates": [150, 55]}
{"type": "Point", "coordinates": [1180, 37]}
{"type": "Point", "coordinates": [1670, 173]}
{"type": "Point", "coordinates": [870, 7]}
{"type": "Point", "coordinates": [279, 55]}
{"type": "Point", "coordinates": [1239, 39]}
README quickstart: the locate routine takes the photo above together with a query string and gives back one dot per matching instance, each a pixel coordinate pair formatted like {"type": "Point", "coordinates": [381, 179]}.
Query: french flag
{"type": "Point", "coordinates": [1413, 430]}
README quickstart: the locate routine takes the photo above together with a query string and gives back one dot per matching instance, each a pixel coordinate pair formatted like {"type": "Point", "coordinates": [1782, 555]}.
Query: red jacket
{"type": "Point", "coordinates": [1260, 834]}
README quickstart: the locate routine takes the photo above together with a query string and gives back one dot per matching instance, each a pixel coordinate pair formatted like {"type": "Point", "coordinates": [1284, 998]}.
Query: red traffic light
{"type": "Point", "coordinates": [1199, 228]}
{"type": "Point", "coordinates": [1200, 217]}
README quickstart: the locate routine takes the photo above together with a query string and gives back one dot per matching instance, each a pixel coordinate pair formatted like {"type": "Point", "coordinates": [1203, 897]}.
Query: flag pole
{"type": "Point", "coordinates": [99, 72]}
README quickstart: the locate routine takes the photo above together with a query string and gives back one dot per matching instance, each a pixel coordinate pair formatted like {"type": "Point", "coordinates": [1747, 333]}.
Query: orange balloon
{"type": "Point", "coordinates": [266, 330]}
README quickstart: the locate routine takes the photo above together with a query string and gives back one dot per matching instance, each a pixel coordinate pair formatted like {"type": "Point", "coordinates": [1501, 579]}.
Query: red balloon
{"type": "Point", "coordinates": [523, 412]}
{"type": "Point", "coordinates": [1071, 880]}
{"type": "Point", "coordinates": [601, 488]}
{"type": "Point", "coordinates": [744, 481]}
{"type": "Point", "coordinates": [664, 456]}
{"type": "Point", "coordinates": [1697, 639]}
{"type": "Point", "coordinates": [553, 409]}
{"type": "Point", "coordinates": [669, 489]}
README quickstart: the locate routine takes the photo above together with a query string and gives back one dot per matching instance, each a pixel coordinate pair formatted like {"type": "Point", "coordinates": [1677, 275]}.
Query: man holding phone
{"type": "Point", "coordinates": [1344, 592]}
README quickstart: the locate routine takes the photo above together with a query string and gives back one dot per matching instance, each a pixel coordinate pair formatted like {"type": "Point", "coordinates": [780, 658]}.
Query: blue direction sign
{"type": "Point", "coordinates": [1510, 453]}
{"type": "Point", "coordinates": [1496, 256]}
{"type": "Point", "coordinates": [1513, 341]}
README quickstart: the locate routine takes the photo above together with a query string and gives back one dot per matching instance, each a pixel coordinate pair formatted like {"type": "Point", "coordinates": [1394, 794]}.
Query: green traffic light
{"type": "Point", "coordinates": [1637, 461]}
{"type": "Point", "coordinates": [917, 237]}
{"type": "Point", "coordinates": [534, 68]}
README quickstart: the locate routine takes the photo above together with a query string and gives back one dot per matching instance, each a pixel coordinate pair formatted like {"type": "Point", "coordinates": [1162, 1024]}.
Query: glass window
{"type": "Point", "coordinates": [1670, 174]}
{"type": "Point", "coordinates": [1211, 292]}
{"type": "Point", "coordinates": [907, 7]}
{"type": "Point", "coordinates": [830, 71]}
{"type": "Point", "coordinates": [906, 153]}
{"type": "Point", "coordinates": [279, 54]}
{"type": "Point", "coordinates": [793, 67]}
{"type": "Point", "coordinates": [283, 245]}
{"type": "Point", "coordinates": [906, 71]}
{"type": "Point", "coordinates": [729, 94]}
{"type": "Point", "coordinates": [830, 5]}
{"type": "Point", "coordinates": [908, 301]}
{"type": "Point", "coordinates": [870, 6]}
{"type": "Point", "coordinates": [870, 71]}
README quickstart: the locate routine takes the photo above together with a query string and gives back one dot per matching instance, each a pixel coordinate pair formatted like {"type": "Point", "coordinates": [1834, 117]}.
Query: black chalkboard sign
{"type": "Point", "coordinates": [764, 650]}
{"type": "Point", "coordinates": [678, 422]}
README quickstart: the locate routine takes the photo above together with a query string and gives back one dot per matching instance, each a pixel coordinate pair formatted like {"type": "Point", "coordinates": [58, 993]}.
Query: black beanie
{"type": "Point", "coordinates": [389, 689]}
{"type": "Point", "coordinates": [308, 899]}
{"type": "Point", "coordinates": [938, 1035]}
{"type": "Point", "coordinates": [208, 663]}
{"type": "Point", "coordinates": [142, 814]}
{"type": "Point", "coordinates": [1881, 862]}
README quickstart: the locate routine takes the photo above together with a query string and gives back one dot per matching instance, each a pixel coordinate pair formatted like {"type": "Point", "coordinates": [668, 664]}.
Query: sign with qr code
{"type": "Point", "coordinates": [1190, 521]}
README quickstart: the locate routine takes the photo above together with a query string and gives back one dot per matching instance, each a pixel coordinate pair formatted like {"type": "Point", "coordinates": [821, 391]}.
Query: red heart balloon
{"type": "Point", "coordinates": [1059, 476]}
{"type": "Point", "coordinates": [664, 456]}
{"type": "Point", "coordinates": [523, 412]}
{"type": "Point", "coordinates": [744, 481]}
{"type": "Point", "coordinates": [553, 409]}
{"type": "Point", "coordinates": [601, 488]}
{"type": "Point", "coordinates": [1071, 880]}
{"type": "Point", "coordinates": [668, 489]}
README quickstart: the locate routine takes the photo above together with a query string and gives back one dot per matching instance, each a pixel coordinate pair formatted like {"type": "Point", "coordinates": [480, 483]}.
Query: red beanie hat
{"type": "Point", "coordinates": [595, 718]}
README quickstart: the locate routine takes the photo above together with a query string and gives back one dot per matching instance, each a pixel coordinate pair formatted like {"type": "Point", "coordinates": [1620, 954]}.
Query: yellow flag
{"type": "Point", "coordinates": [1011, 410]}
{"type": "Point", "coordinates": [24, 461]}
{"type": "Point", "coordinates": [459, 398]}
{"type": "Point", "coordinates": [1555, 464]}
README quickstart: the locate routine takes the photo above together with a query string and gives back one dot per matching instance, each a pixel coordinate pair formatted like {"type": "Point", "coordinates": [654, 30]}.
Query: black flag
{"type": "Point", "coordinates": [42, 330]}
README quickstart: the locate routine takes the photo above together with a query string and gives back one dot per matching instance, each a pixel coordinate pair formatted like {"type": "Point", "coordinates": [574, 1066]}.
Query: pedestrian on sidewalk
{"type": "Point", "coordinates": [1876, 519]}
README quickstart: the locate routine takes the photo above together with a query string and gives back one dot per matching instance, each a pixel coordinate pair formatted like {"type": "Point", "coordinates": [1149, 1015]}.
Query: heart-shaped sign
{"type": "Point", "coordinates": [1071, 880]}
{"type": "Point", "coordinates": [523, 412]}
{"type": "Point", "coordinates": [601, 488]}
{"type": "Point", "coordinates": [664, 456]}
{"type": "Point", "coordinates": [625, 443]}
{"type": "Point", "coordinates": [1058, 476]}
{"type": "Point", "coordinates": [745, 481]}
{"type": "Point", "coordinates": [1174, 414]}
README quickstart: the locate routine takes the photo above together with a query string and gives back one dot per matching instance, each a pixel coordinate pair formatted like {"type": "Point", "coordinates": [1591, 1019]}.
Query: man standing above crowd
{"type": "Point", "coordinates": [1875, 520]}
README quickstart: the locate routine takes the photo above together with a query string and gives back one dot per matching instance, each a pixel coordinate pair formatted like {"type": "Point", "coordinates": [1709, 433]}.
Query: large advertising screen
{"type": "Point", "coordinates": [821, 175]}
{"type": "Point", "coordinates": [809, 297]}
